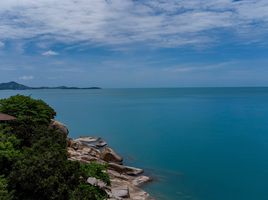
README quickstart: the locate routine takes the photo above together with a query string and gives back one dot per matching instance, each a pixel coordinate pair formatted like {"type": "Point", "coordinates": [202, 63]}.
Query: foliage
{"type": "Point", "coordinates": [33, 157]}
{"type": "Point", "coordinates": [8, 152]}
{"type": "Point", "coordinates": [4, 193]}
{"type": "Point", "coordinates": [44, 173]}
{"type": "Point", "coordinates": [95, 170]}
{"type": "Point", "coordinates": [87, 192]}
{"type": "Point", "coordinates": [30, 114]}
{"type": "Point", "coordinates": [26, 108]}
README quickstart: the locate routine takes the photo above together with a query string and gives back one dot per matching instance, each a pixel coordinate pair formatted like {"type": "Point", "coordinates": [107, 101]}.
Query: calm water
{"type": "Point", "coordinates": [199, 144]}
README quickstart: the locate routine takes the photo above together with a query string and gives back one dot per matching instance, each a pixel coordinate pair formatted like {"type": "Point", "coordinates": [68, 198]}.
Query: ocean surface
{"type": "Point", "coordinates": [197, 143]}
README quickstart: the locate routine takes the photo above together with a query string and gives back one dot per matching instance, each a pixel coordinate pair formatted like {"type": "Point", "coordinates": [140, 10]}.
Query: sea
{"type": "Point", "coordinates": [196, 143]}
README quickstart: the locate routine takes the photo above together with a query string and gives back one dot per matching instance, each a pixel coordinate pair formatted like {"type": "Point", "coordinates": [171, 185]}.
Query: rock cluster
{"type": "Point", "coordinates": [125, 180]}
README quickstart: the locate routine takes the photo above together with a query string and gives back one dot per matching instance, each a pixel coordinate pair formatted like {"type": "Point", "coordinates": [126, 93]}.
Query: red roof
{"type": "Point", "coordinates": [5, 117]}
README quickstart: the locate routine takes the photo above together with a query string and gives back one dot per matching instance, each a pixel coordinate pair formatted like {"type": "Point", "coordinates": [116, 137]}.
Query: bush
{"type": "Point", "coordinates": [87, 192]}
{"type": "Point", "coordinates": [96, 170]}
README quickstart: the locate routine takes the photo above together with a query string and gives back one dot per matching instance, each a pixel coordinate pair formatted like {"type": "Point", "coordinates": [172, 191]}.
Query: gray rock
{"type": "Point", "coordinates": [120, 192]}
{"type": "Point", "coordinates": [87, 139]}
{"type": "Point", "coordinates": [125, 169]}
{"type": "Point", "coordinates": [101, 143]}
{"type": "Point", "coordinates": [140, 180]}
{"type": "Point", "coordinates": [92, 181]}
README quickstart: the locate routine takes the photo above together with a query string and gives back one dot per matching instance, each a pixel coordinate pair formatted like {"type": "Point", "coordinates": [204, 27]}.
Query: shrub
{"type": "Point", "coordinates": [87, 192]}
{"type": "Point", "coordinates": [96, 170]}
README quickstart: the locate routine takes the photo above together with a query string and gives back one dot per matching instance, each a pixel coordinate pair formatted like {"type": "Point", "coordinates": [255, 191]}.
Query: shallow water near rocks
{"type": "Point", "coordinates": [197, 143]}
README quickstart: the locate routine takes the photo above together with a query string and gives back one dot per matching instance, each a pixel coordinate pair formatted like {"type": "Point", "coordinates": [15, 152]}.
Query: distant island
{"type": "Point", "coordinates": [16, 86]}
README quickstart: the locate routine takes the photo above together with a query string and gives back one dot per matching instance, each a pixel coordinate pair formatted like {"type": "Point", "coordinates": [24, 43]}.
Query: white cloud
{"type": "Point", "coordinates": [199, 67]}
{"type": "Point", "coordinates": [50, 53]}
{"type": "Point", "coordinates": [120, 22]}
{"type": "Point", "coordinates": [26, 78]}
{"type": "Point", "coordinates": [2, 44]}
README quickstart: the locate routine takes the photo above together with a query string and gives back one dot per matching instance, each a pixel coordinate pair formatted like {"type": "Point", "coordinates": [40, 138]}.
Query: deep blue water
{"type": "Point", "coordinates": [198, 143]}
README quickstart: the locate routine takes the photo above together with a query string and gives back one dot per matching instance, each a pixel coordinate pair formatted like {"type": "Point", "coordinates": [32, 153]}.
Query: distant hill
{"type": "Point", "coordinates": [16, 86]}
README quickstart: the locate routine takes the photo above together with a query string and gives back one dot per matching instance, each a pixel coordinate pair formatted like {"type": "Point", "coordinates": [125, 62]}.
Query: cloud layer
{"type": "Point", "coordinates": [26, 78]}
{"type": "Point", "coordinates": [160, 23]}
{"type": "Point", "coordinates": [50, 53]}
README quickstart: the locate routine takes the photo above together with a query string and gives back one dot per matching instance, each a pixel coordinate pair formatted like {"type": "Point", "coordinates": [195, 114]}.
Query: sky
{"type": "Point", "coordinates": [134, 43]}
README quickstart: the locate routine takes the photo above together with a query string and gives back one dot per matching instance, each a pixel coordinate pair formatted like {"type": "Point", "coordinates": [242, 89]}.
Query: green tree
{"type": "Point", "coordinates": [43, 171]}
{"type": "Point", "coordinates": [4, 193]}
{"type": "Point", "coordinates": [8, 152]}
{"type": "Point", "coordinates": [35, 165]}
{"type": "Point", "coordinates": [30, 114]}
{"type": "Point", "coordinates": [24, 108]}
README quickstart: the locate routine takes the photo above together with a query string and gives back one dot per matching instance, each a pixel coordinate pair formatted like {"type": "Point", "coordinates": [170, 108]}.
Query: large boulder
{"type": "Point", "coordinates": [59, 127]}
{"type": "Point", "coordinates": [109, 155]}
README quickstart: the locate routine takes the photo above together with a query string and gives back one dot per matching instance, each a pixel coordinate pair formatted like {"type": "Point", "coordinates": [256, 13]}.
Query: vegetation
{"type": "Point", "coordinates": [33, 157]}
{"type": "Point", "coordinates": [95, 170]}
{"type": "Point", "coordinates": [4, 193]}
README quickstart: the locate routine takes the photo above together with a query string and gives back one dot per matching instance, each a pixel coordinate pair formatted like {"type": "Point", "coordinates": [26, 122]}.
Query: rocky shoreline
{"type": "Point", "coordinates": [126, 181]}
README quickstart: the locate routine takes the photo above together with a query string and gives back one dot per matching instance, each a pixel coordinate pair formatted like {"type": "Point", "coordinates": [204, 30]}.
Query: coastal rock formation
{"type": "Point", "coordinates": [125, 180]}
{"type": "Point", "coordinates": [59, 126]}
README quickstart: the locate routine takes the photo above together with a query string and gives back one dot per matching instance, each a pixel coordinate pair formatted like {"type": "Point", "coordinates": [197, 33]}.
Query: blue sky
{"type": "Point", "coordinates": [141, 43]}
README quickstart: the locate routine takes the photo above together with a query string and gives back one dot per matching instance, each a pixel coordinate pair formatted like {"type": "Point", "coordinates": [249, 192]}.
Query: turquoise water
{"type": "Point", "coordinates": [198, 143]}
